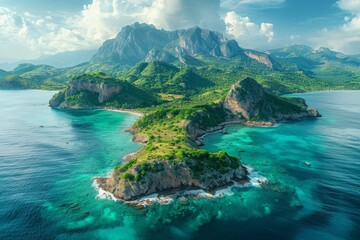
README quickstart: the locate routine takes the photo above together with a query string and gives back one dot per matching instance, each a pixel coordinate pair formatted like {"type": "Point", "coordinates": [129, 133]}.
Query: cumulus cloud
{"type": "Point", "coordinates": [346, 36]}
{"type": "Point", "coordinates": [174, 14]}
{"type": "Point", "coordinates": [240, 4]}
{"type": "Point", "coordinates": [248, 33]}
{"type": "Point", "coordinates": [101, 20]}
{"type": "Point", "coordinates": [266, 29]}
{"type": "Point", "coordinates": [349, 5]}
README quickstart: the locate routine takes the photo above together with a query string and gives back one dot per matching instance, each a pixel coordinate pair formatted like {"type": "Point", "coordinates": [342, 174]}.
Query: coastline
{"type": "Point", "coordinates": [122, 110]}
{"type": "Point", "coordinates": [199, 140]}
{"type": "Point", "coordinates": [167, 197]}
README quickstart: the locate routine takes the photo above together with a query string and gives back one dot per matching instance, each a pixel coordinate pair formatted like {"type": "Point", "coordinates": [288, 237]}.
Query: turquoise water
{"type": "Point", "coordinates": [48, 158]}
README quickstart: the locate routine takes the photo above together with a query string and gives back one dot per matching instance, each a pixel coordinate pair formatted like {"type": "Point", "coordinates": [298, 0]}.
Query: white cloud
{"type": "Point", "coordinates": [346, 36]}
{"type": "Point", "coordinates": [241, 4]}
{"type": "Point", "coordinates": [349, 5]}
{"type": "Point", "coordinates": [248, 33]}
{"type": "Point", "coordinates": [175, 14]}
{"type": "Point", "coordinates": [266, 29]}
{"type": "Point", "coordinates": [101, 20]}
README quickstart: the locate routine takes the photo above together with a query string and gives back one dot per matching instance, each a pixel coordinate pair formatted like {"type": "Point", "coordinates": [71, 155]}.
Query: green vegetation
{"type": "Point", "coordinates": [101, 90]}
{"type": "Point", "coordinates": [168, 140]}
{"type": "Point", "coordinates": [161, 77]}
{"type": "Point", "coordinates": [172, 95]}
{"type": "Point", "coordinates": [83, 98]}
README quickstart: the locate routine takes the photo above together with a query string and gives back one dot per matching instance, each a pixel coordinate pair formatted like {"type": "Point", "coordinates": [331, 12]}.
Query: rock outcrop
{"type": "Point", "coordinates": [102, 90]}
{"type": "Point", "coordinates": [169, 176]}
{"type": "Point", "coordinates": [99, 90]}
{"type": "Point", "coordinates": [263, 58]}
{"type": "Point", "coordinates": [249, 100]}
{"type": "Point", "coordinates": [142, 42]}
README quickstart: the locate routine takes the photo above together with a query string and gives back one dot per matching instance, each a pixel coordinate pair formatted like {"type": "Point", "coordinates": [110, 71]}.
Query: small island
{"type": "Point", "coordinates": [170, 159]}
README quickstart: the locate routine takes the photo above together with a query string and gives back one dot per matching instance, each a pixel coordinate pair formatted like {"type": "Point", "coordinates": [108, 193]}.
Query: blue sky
{"type": "Point", "coordinates": [29, 29]}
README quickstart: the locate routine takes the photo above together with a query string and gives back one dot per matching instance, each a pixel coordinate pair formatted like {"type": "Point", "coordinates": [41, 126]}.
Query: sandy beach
{"type": "Point", "coordinates": [130, 111]}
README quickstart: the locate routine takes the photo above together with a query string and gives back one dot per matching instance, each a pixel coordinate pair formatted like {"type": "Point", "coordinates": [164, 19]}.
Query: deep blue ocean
{"type": "Point", "coordinates": [48, 159]}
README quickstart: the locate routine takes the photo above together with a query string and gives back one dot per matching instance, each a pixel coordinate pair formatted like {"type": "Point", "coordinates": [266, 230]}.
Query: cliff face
{"type": "Point", "coordinates": [104, 90]}
{"type": "Point", "coordinates": [202, 41]}
{"type": "Point", "coordinates": [249, 100]}
{"type": "Point", "coordinates": [141, 42]}
{"type": "Point", "coordinates": [99, 90]}
{"type": "Point", "coordinates": [260, 57]}
{"type": "Point", "coordinates": [169, 176]}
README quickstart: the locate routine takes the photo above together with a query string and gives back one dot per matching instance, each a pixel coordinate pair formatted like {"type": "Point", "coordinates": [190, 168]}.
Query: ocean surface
{"type": "Point", "coordinates": [48, 159]}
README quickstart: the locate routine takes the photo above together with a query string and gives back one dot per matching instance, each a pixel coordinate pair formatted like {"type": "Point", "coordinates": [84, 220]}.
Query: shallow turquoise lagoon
{"type": "Point", "coordinates": [49, 157]}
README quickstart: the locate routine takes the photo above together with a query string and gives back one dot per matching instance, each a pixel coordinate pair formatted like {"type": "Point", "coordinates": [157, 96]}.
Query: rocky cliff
{"type": "Point", "coordinates": [250, 101]}
{"type": "Point", "coordinates": [142, 42]}
{"type": "Point", "coordinates": [168, 176]}
{"type": "Point", "coordinates": [99, 90]}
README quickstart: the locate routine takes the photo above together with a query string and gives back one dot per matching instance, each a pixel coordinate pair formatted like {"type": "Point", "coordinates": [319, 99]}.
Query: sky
{"type": "Point", "coordinates": [31, 28]}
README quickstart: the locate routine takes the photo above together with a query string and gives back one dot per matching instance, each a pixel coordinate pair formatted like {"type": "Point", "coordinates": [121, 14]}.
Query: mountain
{"type": "Point", "coordinates": [29, 76]}
{"type": "Point", "coordinates": [196, 63]}
{"type": "Point", "coordinates": [2, 73]}
{"type": "Point", "coordinates": [263, 58]}
{"type": "Point", "coordinates": [60, 60]}
{"type": "Point", "coordinates": [99, 90]}
{"type": "Point", "coordinates": [161, 77]}
{"type": "Point", "coordinates": [332, 69]}
{"type": "Point", "coordinates": [249, 99]}
{"type": "Point", "coordinates": [307, 57]}
{"type": "Point", "coordinates": [142, 42]}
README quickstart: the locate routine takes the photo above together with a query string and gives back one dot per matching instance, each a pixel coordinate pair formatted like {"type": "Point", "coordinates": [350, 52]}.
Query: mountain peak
{"type": "Point", "coordinates": [249, 99]}
{"type": "Point", "coordinates": [141, 42]}
{"type": "Point", "coordinates": [138, 25]}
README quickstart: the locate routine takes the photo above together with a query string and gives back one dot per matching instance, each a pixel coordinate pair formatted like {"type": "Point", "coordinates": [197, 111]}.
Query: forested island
{"type": "Point", "coordinates": [187, 83]}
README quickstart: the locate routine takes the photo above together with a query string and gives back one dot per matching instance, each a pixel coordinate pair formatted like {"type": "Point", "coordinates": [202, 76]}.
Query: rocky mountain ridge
{"type": "Point", "coordinates": [142, 42]}
{"type": "Point", "coordinates": [248, 99]}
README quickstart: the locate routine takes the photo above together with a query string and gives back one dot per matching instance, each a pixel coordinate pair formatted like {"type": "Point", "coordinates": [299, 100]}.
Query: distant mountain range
{"type": "Point", "coordinates": [191, 57]}
{"type": "Point", "coordinates": [306, 57]}
{"type": "Point", "coordinates": [60, 60]}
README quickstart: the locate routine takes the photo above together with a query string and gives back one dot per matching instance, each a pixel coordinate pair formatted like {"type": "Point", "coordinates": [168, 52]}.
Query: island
{"type": "Point", "coordinates": [170, 159]}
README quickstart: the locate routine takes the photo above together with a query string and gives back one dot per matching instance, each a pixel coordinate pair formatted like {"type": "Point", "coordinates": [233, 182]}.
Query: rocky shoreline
{"type": "Point", "coordinates": [148, 172]}
{"type": "Point", "coordinates": [245, 101]}
{"type": "Point", "coordinates": [199, 140]}
{"type": "Point", "coordinates": [182, 194]}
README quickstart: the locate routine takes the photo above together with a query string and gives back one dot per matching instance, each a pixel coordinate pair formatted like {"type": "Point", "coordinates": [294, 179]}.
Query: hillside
{"type": "Point", "coordinates": [197, 64]}
{"type": "Point", "coordinates": [99, 90]}
{"type": "Point", "coordinates": [161, 77]}
{"type": "Point", "coordinates": [333, 68]}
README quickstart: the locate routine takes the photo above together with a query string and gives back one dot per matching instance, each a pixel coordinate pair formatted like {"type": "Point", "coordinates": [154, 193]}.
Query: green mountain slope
{"type": "Point", "coordinates": [197, 64]}
{"type": "Point", "coordinates": [99, 90]}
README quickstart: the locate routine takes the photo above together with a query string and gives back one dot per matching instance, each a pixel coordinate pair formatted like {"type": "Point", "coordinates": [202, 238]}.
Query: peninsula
{"type": "Point", "coordinates": [170, 159]}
